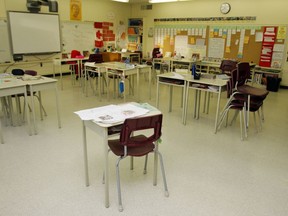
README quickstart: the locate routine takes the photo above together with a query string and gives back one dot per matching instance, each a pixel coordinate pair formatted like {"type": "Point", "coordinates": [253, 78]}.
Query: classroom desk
{"type": "Point", "coordinates": [171, 80]}
{"type": "Point", "coordinates": [120, 69]}
{"type": "Point", "coordinates": [163, 63]}
{"type": "Point", "coordinates": [207, 85]}
{"type": "Point", "coordinates": [131, 56]}
{"type": "Point", "coordinates": [58, 62]}
{"type": "Point", "coordinates": [103, 131]}
{"type": "Point", "coordinates": [146, 69]}
{"type": "Point", "coordinates": [10, 87]}
{"type": "Point", "coordinates": [100, 70]}
{"type": "Point", "coordinates": [181, 64]}
{"type": "Point", "coordinates": [38, 85]}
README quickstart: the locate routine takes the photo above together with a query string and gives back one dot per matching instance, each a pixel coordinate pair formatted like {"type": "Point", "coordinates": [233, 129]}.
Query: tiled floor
{"type": "Point", "coordinates": [208, 174]}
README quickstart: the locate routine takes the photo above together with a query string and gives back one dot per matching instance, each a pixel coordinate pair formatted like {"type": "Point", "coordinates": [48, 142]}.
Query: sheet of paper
{"type": "Point", "coordinates": [112, 113]}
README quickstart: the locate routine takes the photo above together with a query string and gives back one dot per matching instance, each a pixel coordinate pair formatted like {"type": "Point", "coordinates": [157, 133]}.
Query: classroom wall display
{"type": "Point", "coordinates": [238, 42]}
{"type": "Point", "coordinates": [34, 33]}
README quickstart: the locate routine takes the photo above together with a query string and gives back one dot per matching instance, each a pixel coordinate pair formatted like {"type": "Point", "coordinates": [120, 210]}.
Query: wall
{"type": "Point", "coordinates": [269, 13]}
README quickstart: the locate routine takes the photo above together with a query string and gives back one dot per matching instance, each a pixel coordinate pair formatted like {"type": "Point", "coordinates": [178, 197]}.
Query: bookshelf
{"type": "Point", "coordinates": [135, 34]}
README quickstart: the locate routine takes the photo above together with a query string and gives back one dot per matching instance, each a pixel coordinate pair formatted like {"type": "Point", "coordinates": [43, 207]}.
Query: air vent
{"type": "Point", "coordinates": [146, 7]}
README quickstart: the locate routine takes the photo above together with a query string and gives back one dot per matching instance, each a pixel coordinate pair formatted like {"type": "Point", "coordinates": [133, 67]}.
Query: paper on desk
{"type": "Point", "coordinates": [112, 113]}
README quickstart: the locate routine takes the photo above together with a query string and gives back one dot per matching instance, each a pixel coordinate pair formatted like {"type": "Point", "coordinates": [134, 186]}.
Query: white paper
{"type": "Point", "coordinates": [112, 113]}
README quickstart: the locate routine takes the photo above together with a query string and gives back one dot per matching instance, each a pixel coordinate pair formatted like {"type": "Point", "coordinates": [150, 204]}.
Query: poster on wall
{"type": "Point", "coordinates": [269, 37]}
{"type": "Point", "coordinates": [75, 9]}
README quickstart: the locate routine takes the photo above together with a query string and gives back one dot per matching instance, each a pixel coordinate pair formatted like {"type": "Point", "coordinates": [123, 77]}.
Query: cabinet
{"type": "Point", "coordinates": [135, 34]}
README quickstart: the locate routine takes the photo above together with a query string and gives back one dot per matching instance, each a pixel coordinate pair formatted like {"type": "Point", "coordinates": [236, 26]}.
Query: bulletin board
{"type": "Point", "coordinates": [252, 42]}
{"type": "Point", "coordinates": [251, 47]}
{"type": "Point", "coordinates": [192, 41]}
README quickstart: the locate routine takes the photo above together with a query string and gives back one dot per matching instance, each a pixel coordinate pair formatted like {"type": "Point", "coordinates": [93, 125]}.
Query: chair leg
{"type": "Point", "coordinates": [131, 163]}
{"type": "Point", "coordinates": [241, 126]}
{"type": "Point", "coordinates": [120, 206]}
{"type": "Point", "coordinates": [163, 174]}
{"type": "Point", "coordinates": [260, 120]}
{"type": "Point", "coordinates": [145, 164]}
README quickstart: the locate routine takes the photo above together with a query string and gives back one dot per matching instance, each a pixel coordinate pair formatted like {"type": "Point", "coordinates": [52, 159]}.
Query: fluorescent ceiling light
{"type": "Point", "coordinates": [121, 0]}
{"type": "Point", "coordinates": [161, 1]}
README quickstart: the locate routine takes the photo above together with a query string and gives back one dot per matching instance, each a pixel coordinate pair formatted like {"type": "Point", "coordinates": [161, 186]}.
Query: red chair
{"type": "Point", "coordinates": [250, 100]}
{"type": "Point", "coordinates": [74, 67]}
{"type": "Point", "coordinates": [130, 144]}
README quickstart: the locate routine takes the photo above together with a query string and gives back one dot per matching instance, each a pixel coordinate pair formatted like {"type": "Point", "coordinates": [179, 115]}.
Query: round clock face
{"type": "Point", "coordinates": [225, 8]}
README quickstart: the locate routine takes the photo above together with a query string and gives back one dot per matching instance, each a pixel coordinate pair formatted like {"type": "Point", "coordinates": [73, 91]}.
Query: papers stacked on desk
{"type": "Point", "coordinates": [112, 113]}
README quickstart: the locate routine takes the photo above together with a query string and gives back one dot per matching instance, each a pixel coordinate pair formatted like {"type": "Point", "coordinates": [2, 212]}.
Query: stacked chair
{"type": "Point", "coordinates": [243, 98]}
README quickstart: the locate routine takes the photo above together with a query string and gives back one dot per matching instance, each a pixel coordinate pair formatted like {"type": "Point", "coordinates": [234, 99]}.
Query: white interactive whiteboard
{"type": "Point", "coordinates": [33, 33]}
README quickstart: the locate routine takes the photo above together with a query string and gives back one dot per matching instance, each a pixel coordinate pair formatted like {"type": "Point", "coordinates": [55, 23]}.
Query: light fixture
{"type": "Point", "coordinates": [161, 1]}
{"type": "Point", "coordinates": [121, 0]}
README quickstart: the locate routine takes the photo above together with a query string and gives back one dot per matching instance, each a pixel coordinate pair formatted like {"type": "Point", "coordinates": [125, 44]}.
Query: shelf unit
{"type": "Point", "coordinates": [259, 74]}
{"type": "Point", "coordinates": [135, 34]}
{"type": "Point", "coordinates": [208, 67]}
{"type": "Point", "coordinates": [181, 64]}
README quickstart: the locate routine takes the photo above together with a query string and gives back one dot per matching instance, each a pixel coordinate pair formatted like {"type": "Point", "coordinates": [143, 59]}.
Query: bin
{"type": "Point", "coordinates": [273, 83]}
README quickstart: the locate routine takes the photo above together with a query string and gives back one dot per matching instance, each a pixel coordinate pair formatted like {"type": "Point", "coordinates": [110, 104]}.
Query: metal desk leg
{"type": "Point", "coordinates": [170, 97]}
{"type": "Point", "coordinates": [57, 106]}
{"type": "Point", "coordinates": [105, 140]}
{"type": "Point", "coordinates": [85, 154]}
{"type": "Point", "coordinates": [33, 110]}
{"type": "Point", "coordinates": [157, 93]}
{"type": "Point", "coordinates": [217, 109]}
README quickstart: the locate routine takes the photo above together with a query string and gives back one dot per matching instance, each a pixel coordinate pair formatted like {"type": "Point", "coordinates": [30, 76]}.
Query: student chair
{"type": "Point", "coordinates": [227, 66]}
{"type": "Point", "coordinates": [130, 144]}
{"type": "Point", "coordinates": [243, 77]}
{"type": "Point", "coordinates": [74, 67]}
{"type": "Point", "coordinates": [94, 73]}
{"type": "Point", "coordinates": [242, 103]}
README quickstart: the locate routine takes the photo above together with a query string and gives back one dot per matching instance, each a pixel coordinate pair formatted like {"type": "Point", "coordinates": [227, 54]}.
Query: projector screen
{"type": "Point", "coordinates": [33, 33]}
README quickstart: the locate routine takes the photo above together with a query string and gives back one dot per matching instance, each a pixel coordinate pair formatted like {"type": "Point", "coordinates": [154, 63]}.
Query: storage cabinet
{"type": "Point", "coordinates": [135, 34]}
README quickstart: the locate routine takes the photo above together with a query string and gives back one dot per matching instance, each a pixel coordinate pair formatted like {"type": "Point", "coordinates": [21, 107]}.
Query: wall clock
{"type": "Point", "coordinates": [225, 8]}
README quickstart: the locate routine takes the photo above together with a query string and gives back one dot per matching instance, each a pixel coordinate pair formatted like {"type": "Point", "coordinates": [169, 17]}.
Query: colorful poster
{"type": "Point", "coordinates": [75, 9]}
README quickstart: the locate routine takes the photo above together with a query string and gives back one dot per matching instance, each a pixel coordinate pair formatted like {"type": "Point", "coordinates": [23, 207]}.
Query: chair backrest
{"type": "Point", "coordinates": [156, 52]}
{"type": "Point", "coordinates": [227, 66]}
{"type": "Point", "coordinates": [17, 72]}
{"type": "Point", "coordinates": [95, 57]}
{"type": "Point", "coordinates": [140, 124]}
{"type": "Point", "coordinates": [31, 72]}
{"type": "Point", "coordinates": [75, 53]}
{"type": "Point", "coordinates": [244, 73]}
